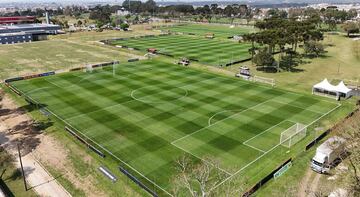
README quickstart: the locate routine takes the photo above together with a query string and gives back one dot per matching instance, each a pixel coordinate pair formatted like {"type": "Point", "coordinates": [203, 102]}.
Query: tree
{"type": "Point", "coordinates": [200, 179]}
{"type": "Point", "coordinates": [101, 14]}
{"type": "Point", "coordinates": [349, 130]}
{"type": "Point", "coordinates": [79, 23]}
{"type": "Point", "coordinates": [351, 28]}
{"type": "Point", "coordinates": [124, 26]}
{"type": "Point", "coordinates": [228, 11]}
{"type": "Point", "coordinates": [149, 6]}
{"type": "Point", "coordinates": [264, 59]}
{"type": "Point", "coordinates": [132, 5]}
{"type": "Point", "coordinates": [313, 48]}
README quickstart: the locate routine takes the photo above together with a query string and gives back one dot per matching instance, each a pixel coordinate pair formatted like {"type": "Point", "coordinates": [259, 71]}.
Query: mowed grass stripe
{"type": "Point", "coordinates": [205, 50]}
{"type": "Point", "coordinates": [223, 31]}
{"type": "Point", "coordinates": [140, 132]}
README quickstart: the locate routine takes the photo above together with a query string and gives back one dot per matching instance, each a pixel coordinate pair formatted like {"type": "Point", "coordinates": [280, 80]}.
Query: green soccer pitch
{"type": "Point", "coordinates": [220, 31]}
{"type": "Point", "coordinates": [208, 51]}
{"type": "Point", "coordinates": [147, 114]}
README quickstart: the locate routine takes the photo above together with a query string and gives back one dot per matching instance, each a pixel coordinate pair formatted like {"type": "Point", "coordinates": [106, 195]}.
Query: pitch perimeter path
{"type": "Point", "coordinates": [149, 113]}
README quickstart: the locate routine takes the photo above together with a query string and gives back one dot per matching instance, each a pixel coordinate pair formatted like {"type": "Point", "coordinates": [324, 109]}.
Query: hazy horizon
{"type": "Point", "coordinates": [249, 1]}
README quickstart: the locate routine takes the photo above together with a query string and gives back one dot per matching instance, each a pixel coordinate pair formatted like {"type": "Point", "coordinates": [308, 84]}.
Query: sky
{"type": "Point", "coordinates": [272, 1]}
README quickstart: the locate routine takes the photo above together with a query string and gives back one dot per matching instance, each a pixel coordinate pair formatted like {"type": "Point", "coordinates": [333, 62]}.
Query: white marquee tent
{"type": "Point", "coordinates": [327, 89]}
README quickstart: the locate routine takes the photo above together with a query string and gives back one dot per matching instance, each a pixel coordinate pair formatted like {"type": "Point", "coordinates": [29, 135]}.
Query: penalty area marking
{"type": "Point", "coordinates": [243, 168]}
{"type": "Point", "coordinates": [228, 173]}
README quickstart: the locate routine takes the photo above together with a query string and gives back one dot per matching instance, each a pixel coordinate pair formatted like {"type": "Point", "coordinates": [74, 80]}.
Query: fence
{"type": "Point", "coordinates": [265, 180]}
{"type": "Point", "coordinates": [137, 181]}
{"type": "Point", "coordinates": [91, 147]}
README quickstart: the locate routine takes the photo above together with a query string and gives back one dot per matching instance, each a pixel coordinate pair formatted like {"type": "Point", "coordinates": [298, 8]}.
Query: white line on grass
{"type": "Point", "coordinates": [220, 121]}
{"type": "Point", "coordinates": [228, 173]}
{"type": "Point", "coordinates": [247, 165]}
{"type": "Point", "coordinates": [268, 130]}
{"type": "Point", "coordinates": [141, 100]}
{"type": "Point", "coordinates": [253, 147]}
{"type": "Point", "coordinates": [109, 152]}
{"type": "Point", "coordinates": [298, 107]}
{"type": "Point", "coordinates": [111, 106]}
{"type": "Point", "coordinates": [54, 84]}
{"type": "Point", "coordinates": [209, 121]}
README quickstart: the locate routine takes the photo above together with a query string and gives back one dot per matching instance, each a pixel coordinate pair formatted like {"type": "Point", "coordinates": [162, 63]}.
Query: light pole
{"type": "Point", "coordinates": [21, 165]}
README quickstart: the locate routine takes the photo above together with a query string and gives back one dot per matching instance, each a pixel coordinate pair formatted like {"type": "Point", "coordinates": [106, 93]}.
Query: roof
{"type": "Point", "coordinates": [17, 19]}
{"type": "Point", "coordinates": [325, 85]}
{"type": "Point", "coordinates": [14, 34]}
{"type": "Point", "coordinates": [27, 26]}
{"type": "Point", "coordinates": [329, 145]}
{"type": "Point", "coordinates": [341, 87]}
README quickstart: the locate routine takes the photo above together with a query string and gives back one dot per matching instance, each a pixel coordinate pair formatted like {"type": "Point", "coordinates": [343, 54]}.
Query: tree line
{"type": "Point", "coordinates": [283, 36]}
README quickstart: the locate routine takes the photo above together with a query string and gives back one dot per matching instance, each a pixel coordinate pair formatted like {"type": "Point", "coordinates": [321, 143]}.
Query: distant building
{"type": "Point", "coordinates": [12, 38]}
{"type": "Point", "coordinates": [17, 19]}
{"type": "Point", "coordinates": [122, 12]}
{"type": "Point", "coordinates": [10, 34]}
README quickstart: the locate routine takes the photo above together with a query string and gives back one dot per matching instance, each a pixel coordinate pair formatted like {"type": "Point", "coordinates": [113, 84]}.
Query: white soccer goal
{"type": "Point", "coordinates": [89, 68]}
{"type": "Point", "coordinates": [263, 80]}
{"type": "Point", "coordinates": [293, 135]}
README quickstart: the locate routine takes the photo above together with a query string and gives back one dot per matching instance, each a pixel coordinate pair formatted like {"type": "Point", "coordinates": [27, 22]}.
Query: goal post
{"type": "Point", "coordinates": [88, 68]}
{"type": "Point", "coordinates": [266, 80]}
{"type": "Point", "coordinates": [292, 135]}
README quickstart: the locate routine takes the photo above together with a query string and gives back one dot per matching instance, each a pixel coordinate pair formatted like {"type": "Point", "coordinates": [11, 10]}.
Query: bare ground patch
{"type": "Point", "coordinates": [16, 125]}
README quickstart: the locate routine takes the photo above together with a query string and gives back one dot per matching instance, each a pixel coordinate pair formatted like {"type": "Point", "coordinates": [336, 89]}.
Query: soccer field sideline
{"type": "Point", "coordinates": [231, 175]}
{"type": "Point", "coordinates": [228, 178]}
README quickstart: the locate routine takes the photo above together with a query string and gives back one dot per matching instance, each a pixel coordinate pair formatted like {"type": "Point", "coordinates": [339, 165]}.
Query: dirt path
{"type": "Point", "coordinates": [309, 184]}
{"type": "Point", "coordinates": [16, 128]}
{"type": "Point", "coordinates": [36, 176]}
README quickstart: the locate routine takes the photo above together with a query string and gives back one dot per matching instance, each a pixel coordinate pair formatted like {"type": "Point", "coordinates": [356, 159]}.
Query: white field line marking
{"type": "Point", "coordinates": [111, 106]}
{"type": "Point", "coordinates": [228, 173]}
{"type": "Point", "coordinates": [109, 152]}
{"type": "Point", "coordinates": [141, 100]}
{"type": "Point", "coordinates": [305, 109]}
{"type": "Point", "coordinates": [209, 121]}
{"type": "Point", "coordinates": [247, 165]}
{"type": "Point", "coordinates": [268, 130]}
{"type": "Point", "coordinates": [54, 83]}
{"type": "Point", "coordinates": [253, 147]}
{"type": "Point", "coordinates": [220, 121]}
{"type": "Point", "coordinates": [134, 99]}
{"type": "Point", "coordinates": [36, 90]}
{"type": "Point", "coordinates": [181, 87]}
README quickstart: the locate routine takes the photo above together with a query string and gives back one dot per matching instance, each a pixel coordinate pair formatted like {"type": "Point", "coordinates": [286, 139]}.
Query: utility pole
{"type": "Point", "coordinates": [21, 165]}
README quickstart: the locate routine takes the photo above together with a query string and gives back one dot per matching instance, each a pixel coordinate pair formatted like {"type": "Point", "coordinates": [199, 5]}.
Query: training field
{"type": "Point", "coordinates": [220, 31]}
{"type": "Point", "coordinates": [209, 51]}
{"type": "Point", "coordinates": [147, 114]}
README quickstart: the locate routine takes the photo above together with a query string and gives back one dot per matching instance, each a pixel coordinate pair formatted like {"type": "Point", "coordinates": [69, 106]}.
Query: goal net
{"type": "Point", "coordinates": [89, 69]}
{"type": "Point", "coordinates": [292, 135]}
{"type": "Point", "coordinates": [263, 80]}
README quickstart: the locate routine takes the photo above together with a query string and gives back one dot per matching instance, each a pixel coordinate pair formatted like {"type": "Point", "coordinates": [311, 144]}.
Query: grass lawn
{"type": "Point", "coordinates": [208, 51]}
{"type": "Point", "coordinates": [220, 31]}
{"type": "Point", "coordinates": [147, 114]}
{"type": "Point", "coordinates": [62, 52]}
{"type": "Point", "coordinates": [341, 62]}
